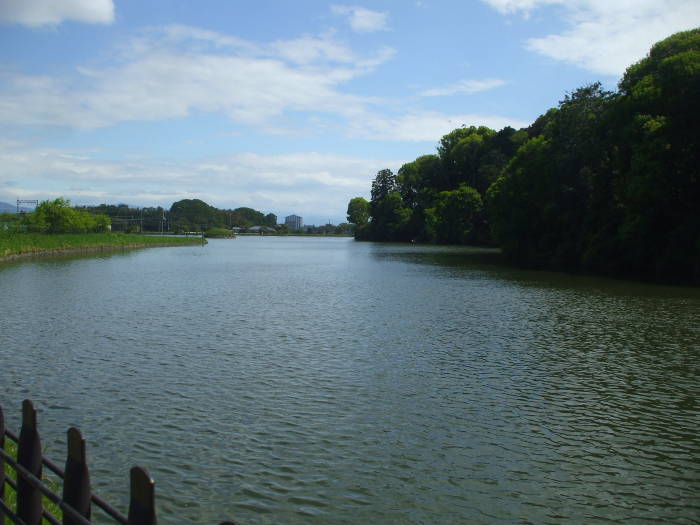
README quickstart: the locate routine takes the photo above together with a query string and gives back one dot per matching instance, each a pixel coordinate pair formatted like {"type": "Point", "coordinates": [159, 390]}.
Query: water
{"type": "Point", "coordinates": [313, 380]}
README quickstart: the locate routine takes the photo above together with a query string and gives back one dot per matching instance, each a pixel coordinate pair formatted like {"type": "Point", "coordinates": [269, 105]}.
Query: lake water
{"type": "Point", "coordinates": [323, 381]}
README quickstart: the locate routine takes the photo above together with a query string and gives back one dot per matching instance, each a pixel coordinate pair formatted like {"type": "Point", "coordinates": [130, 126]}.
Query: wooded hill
{"type": "Point", "coordinates": [607, 182]}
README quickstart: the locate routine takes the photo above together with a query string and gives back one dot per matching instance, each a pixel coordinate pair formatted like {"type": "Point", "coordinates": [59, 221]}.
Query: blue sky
{"type": "Point", "coordinates": [286, 107]}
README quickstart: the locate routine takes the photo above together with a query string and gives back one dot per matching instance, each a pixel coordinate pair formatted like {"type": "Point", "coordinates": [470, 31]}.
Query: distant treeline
{"type": "Point", "coordinates": [183, 215]}
{"type": "Point", "coordinates": [607, 182]}
{"type": "Point", "coordinates": [187, 215]}
{"type": "Point", "coordinates": [194, 214]}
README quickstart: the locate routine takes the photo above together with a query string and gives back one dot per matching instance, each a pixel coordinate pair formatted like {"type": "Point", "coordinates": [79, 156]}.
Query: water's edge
{"type": "Point", "coordinates": [87, 250]}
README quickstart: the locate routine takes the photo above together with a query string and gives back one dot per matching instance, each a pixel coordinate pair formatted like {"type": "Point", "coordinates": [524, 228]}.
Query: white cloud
{"type": "Point", "coordinates": [524, 6]}
{"type": "Point", "coordinates": [179, 71]}
{"type": "Point", "coordinates": [424, 126]}
{"type": "Point", "coordinates": [283, 87]}
{"type": "Point", "coordinates": [464, 86]}
{"type": "Point", "coordinates": [35, 13]}
{"type": "Point", "coordinates": [362, 20]}
{"type": "Point", "coordinates": [606, 36]}
{"type": "Point", "coordinates": [310, 184]}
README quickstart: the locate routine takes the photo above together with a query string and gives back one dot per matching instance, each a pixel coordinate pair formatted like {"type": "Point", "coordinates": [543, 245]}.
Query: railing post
{"type": "Point", "coordinates": [2, 465]}
{"type": "Point", "coordinates": [142, 504]}
{"type": "Point", "coordinates": [29, 456]}
{"type": "Point", "coordinates": [76, 483]}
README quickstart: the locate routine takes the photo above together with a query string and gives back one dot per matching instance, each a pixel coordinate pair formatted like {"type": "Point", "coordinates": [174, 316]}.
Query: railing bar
{"type": "Point", "coordinates": [46, 461]}
{"type": "Point", "coordinates": [11, 482]}
{"type": "Point", "coordinates": [106, 507]}
{"type": "Point", "coordinates": [50, 517]}
{"type": "Point", "coordinates": [37, 484]}
{"type": "Point", "coordinates": [8, 512]}
{"type": "Point", "coordinates": [52, 466]}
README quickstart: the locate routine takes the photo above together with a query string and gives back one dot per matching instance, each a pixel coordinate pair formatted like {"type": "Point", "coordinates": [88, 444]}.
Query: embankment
{"type": "Point", "coordinates": [28, 245]}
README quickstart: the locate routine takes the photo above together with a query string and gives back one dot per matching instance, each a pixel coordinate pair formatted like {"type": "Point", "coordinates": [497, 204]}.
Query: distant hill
{"type": "Point", "coordinates": [6, 207]}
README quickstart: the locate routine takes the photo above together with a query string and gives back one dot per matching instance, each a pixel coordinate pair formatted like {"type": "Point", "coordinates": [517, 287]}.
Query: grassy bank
{"type": "Point", "coordinates": [16, 245]}
{"type": "Point", "coordinates": [298, 234]}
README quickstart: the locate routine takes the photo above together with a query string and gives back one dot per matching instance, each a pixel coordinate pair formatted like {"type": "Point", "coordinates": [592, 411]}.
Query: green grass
{"type": "Point", "coordinates": [11, 496]}
{"type": "Point", "coordinates": [35, 243]}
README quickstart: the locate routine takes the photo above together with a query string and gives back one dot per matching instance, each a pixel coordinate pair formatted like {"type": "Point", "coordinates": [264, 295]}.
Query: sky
{"type": "Point", "coordinates": [285, 107]}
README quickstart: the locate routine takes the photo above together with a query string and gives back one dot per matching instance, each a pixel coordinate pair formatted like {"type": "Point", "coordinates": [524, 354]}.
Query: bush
{"type": "Point", "coordinates": [218, 232]}
{"type": "Point", "coordinates": [58, 216]}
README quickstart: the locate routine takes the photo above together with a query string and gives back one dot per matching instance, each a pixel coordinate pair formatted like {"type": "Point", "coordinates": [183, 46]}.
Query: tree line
{"type": "Point", "coordinates": [607, 182]}
{"type": "Point", "coordinates": [186, 215]}
{"type": "Point", "coordinates": [183, 216]}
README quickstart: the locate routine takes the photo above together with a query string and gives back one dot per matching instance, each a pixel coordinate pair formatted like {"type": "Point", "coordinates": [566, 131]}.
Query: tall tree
{"type": "Point", "coordinates": [383, 184]}
{"type": "Point", "coordinates": [657, 169]}
{"type": "Point", "coordinates": [358, 211]}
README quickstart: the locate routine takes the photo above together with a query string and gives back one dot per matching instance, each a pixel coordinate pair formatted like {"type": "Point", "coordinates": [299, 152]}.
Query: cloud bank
{"type": "Point", "coordinates": [606, 36]}
{"type": "Point", "coordinates": [36, 13]}
{"type": "Point", "coordinates": [179, 71]}
{"type": "Point", "coordinates": [316, 185]}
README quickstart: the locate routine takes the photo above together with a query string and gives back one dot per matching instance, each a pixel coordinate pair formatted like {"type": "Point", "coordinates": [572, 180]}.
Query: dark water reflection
{"type": "Point", "coordinates": [282, 380]}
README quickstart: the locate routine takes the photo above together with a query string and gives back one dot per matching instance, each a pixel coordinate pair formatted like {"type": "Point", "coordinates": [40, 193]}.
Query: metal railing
{"type": "Point", "coordinates": [77, 498]}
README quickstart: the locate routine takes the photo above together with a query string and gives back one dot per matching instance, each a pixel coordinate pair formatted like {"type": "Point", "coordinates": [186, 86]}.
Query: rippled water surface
{"type": "Point", "coordinates": [319, 381]}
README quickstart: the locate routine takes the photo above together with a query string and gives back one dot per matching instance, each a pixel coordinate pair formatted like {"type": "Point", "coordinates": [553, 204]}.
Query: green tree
{"type": "Point", "coordinates": [58, 216]}
{"type": "Point", "coordinates": [656, 166]}
{"type": "Point", "coordinates": [383, 184]}
{"type": "Point", "coordinates": [417, 179]}
{"type": "Point", "coordinates": [358, 211]}
{"type": "Point", "coordinates": [192, 214]}
{"type": "Point", "coordinates": [389, 219]}
{"type": "Point", "coordinates": [461, 153]}
{"type": "Point", "coordinates": [270, 220]}
{"type": "Point", "coordinates": [453, 218]}
{"type": "Point", "coordinates": [248, 217]}
{"type": "Point", "coordinates": [541, 207]}
{"type": "Point", "coordinates": [389, 215]}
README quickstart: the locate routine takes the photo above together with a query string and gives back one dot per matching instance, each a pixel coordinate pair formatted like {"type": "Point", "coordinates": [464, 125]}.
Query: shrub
{"type": "Point", "coordinates": [58, 216]}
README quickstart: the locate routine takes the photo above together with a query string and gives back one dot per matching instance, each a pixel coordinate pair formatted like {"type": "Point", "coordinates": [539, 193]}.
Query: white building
{"type": "Point", "coordinates": [294, 222]}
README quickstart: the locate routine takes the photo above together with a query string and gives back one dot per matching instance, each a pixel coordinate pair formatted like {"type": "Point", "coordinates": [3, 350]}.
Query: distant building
{"type": "Point", "coordinates": [294, 222]}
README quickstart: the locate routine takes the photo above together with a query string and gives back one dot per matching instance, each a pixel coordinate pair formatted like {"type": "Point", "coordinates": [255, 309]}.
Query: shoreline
{"type": "Point", "coordinates": [91, 249]}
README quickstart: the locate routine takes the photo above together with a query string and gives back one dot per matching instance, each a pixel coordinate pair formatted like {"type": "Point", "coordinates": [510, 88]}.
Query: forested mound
{"type": "Point", "coordinates": [607, 182]}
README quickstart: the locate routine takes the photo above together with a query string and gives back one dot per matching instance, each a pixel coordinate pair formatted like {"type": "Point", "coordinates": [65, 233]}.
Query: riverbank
{"type": "Point", "coordinates": [15, 246]}
{"type": "Point", "coordinates": [298, 234]}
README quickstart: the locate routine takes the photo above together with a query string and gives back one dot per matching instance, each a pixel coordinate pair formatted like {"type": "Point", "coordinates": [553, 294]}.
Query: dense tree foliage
{"type": "Point", "coordinates": [539, 206]}
{"type": "Point", "coordinates": [195, 215]}
{"type": "Point", "coordinates": [58, 216]}
{"type": "Point", "coordinates": [421, 202]}
{"type": "Point", "coordinates": [358, 211]}
{"type": "Point", "coordinates": [270, 220]}
{"type": "Point", "coordinates": [128, 219]}
{"type": "Point", "coordinates": [606, 182]}
{"type": "Point", "coordinates": [452, 218]}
